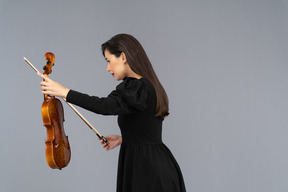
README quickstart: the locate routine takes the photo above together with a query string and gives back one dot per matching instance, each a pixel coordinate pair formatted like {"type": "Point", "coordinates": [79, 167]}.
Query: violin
{"type": "Point", "coordinates": [58, 152]}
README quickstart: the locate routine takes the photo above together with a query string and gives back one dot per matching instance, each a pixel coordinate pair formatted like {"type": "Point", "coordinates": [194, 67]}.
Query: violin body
{"type": "Point", "coordinates": [58, 152]}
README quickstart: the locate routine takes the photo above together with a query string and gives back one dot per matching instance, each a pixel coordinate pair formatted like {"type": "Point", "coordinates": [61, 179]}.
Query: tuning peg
{"type": "Point", "coordinates": [44, 68]}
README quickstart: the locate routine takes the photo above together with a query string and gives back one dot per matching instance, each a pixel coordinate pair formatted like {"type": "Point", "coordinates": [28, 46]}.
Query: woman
{"type": "Point", "coordinates": [145, 163]}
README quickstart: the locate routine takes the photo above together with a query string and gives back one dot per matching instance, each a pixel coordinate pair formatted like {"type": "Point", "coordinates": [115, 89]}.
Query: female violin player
{"type": "Point", "coordinates": [145, 163]}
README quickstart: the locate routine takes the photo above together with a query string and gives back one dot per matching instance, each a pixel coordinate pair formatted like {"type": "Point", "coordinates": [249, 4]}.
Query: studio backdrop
{"type": "Point", "coordinates": [223, 64]}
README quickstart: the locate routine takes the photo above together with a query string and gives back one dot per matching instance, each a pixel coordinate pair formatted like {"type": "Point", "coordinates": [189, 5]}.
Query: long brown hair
{"type": "Point", "coordinates": [140, 64]}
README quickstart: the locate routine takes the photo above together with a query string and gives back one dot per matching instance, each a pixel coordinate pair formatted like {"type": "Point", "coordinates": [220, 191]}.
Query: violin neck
{"type": "Point", "coordinates": [44, 80]}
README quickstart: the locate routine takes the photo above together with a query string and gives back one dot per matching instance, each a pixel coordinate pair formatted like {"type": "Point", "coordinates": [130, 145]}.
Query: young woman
{"type": "Point", "coordinates": [145, 163]}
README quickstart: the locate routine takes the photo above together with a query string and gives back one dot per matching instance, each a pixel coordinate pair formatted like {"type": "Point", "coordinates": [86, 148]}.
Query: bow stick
{"type": "Point", "coordinates": [75, 110]}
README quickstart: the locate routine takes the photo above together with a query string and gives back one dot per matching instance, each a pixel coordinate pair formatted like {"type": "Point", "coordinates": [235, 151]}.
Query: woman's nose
{"type": "Point", "coordinates": [108, 68]}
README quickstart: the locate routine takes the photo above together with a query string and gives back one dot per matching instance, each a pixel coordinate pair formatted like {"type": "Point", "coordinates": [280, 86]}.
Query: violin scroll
{"type": "Point", "coordinates": [50, 57]}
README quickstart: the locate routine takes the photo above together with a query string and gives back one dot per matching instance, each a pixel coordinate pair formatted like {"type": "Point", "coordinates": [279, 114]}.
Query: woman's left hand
{"type": "Point", "coordinates": [50, 87]}
{"type": "Point", "coordinates": [112, 142]}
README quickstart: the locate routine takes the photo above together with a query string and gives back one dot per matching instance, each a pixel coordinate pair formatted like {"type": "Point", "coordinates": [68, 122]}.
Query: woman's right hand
{"type": "Point", "coordinates": [112, 142]}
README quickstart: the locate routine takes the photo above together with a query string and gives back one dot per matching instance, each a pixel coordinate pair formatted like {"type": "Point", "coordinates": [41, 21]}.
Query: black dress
{"type": "Point", "coordinates": [145, 163]}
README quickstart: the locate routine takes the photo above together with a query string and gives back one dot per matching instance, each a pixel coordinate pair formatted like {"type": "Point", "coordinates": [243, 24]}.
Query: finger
{"type": "Point", "coordinates": [43, 76]}
{"type": "Point", "coordinates": [40, 74]}
{"type": "Point", "coordinates": [107, 146]}
{"type": "Point", "coordinates": [43, 83]}
{"type": "Point", "coordinates": [47, 90]}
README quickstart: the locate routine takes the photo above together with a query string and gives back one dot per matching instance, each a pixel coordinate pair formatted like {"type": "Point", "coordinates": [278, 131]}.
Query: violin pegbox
{"type": "Point", "coordinates": [50, 57]}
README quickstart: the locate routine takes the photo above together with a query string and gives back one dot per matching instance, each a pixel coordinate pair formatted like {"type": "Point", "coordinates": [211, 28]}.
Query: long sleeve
{"type": "Point", "coordinates": [129, 97]}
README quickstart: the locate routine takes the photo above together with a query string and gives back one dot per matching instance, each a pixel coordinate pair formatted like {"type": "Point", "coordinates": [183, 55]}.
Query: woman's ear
{"type": "Point", "coordinates": [123, 57]}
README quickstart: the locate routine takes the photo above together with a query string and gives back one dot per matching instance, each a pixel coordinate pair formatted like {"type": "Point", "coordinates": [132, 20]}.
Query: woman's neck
{"type": "Point", "coordinates": [135, 75]}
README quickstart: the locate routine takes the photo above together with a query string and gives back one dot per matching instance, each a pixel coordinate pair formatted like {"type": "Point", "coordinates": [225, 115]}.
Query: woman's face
{"type": "Point", "coordinates": [118, 67]}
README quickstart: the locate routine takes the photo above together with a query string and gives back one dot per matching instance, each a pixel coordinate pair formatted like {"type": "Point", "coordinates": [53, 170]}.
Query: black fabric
{"type": "Point", "coordinates": [145, 163]}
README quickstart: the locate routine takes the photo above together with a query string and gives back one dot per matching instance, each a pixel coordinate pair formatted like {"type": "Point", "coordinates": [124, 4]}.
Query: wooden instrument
{"type": "Point", "coordinates": [57, 156]}
{"type": "Point", "coordinates": [58, 152]}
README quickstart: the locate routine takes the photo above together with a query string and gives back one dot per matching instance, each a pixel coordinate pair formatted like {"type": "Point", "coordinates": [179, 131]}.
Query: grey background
{"type": "Point", "coordinates": [223, 64]}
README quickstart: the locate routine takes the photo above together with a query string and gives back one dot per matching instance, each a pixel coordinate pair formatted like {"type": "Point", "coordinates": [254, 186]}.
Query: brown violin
{"type": "Point", "coordinates": [58, 152]}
